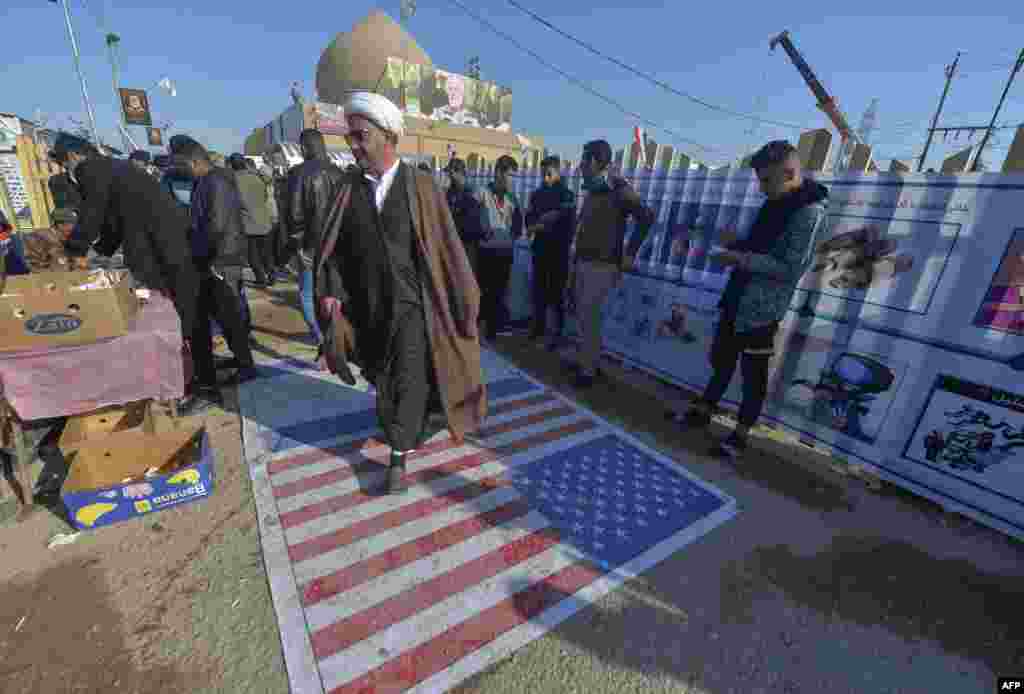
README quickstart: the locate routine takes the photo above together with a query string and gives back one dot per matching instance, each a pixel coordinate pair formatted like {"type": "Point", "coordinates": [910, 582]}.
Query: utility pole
{"type": "Point", "coordinates": [988, 132]}
{"type": "Point", "coordinates": [950, 72]}
{"type": "Point", "coordinates": [112, 41]}
{"type": "Point", "coordinates": [81, 77]}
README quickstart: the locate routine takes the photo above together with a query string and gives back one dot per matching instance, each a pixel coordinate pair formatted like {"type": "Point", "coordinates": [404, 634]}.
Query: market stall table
{"type": "Point", "coordinates": [42, 384]}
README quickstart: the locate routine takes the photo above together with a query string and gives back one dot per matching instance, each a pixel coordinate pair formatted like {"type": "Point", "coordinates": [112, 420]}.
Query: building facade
{"type": "Point", "coordinates": [360, 60]}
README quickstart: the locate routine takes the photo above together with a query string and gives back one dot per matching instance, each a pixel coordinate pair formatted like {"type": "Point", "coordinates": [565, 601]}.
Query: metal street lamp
{"type": "Point", "coordinates": [78, 69]}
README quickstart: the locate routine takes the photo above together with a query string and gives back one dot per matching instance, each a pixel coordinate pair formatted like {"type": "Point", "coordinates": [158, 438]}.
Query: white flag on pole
{"type": "Point", "coordinates": [167, 85]}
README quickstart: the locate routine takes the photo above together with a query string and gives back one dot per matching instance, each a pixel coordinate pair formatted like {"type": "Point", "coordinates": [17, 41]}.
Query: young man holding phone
{"type": "Point", "coordinates": [767, 266]}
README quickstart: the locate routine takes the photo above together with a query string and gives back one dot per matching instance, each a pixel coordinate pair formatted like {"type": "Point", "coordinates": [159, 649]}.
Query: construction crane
{"type": "Point", "coordinates": [825, 102]}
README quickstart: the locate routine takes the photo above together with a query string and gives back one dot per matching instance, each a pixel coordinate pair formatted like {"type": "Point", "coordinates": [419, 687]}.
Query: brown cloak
{"type": "Point", "coordinates": [451, 300]}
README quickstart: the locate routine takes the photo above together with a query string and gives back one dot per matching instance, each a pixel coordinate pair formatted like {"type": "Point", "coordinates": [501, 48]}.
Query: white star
{"type": "Point", "coordinates": [641, 509]}
{"type": "Point", "coordinates": [600, 503]}
{"type": "Point", "coordinates": [600, 479]}
{"type": "Point", "coordinates": [658, 499]}
{"type": "Point", "coordinates": [577, 527]}
{"type": "Point", "coordinates": [579, 512]}
{"type": "Point", "coordinates": [599, 516]}
{"type": "Point", "coordinates": [621, 518]}
{"type": "Point", "coordinates": [621, 532]}
{"type": "Point", "coordinates": [621, 505]}
{"type": "Point", "coordinates": [560, 497]}
{"type": "Point", "coordinates": [641, 522]}
{"type": "Point", "coordinates": [598, 530]}
{"type": "Point", "coordinates": [620, 493]}
{"type": "Point", "coordinates": [599, 545]}
{"type": "Point", "coordinates": [662, 512]}
{"type": "Point", "coordinates": [559, 510]}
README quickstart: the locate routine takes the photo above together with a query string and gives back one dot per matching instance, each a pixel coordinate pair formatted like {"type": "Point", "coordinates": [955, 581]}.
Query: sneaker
{"type": "Point", "coordinates": [732, 447]}
{"type": "Point", "coordinates": [199, 401]}
{"type": "Point", "coordinates": [244, 374]}
{"type": "Point", "coordinates": [690, 419]}
{"type": "Point", "coordinates": [396, 476]}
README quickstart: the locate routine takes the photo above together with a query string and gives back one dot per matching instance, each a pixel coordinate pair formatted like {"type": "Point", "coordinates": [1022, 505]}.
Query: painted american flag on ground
{"type": "Point", "coordinates": [498, 540]}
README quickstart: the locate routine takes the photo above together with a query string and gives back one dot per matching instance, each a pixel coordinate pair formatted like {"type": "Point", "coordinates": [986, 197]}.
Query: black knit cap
{"type": "Point", "coordinates": [772, 154]}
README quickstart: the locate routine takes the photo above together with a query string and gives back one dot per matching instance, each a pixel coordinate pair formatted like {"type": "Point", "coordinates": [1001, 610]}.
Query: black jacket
{"type": "Point", "coordinates": [313, 187]}
{"type": "Point", "coordinates": [465, 209]}
{"type": "Point", "coordinates": [218, 228]}
{"type": "Point", "coordinates": [123, 206]}
{"type": "Point", "coordinates": [556, 240]}
{"type": "Point", "coordinates": [64, 192]}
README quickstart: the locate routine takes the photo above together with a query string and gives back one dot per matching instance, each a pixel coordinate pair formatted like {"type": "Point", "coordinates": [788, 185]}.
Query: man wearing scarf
{"type": "Point", "coordinates": [767, 266]}
{"type": "Point", "coordinates": [395, 290]}
{"type": "Point", "coordinates": [599, 250]}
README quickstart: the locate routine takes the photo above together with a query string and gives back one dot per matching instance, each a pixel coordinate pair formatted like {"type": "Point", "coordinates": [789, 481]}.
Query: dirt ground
{"type": "Point", "coordinates": [817, 577]}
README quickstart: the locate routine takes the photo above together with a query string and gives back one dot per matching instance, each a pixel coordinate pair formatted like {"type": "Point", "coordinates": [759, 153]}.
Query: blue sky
{"type": "Point", "coordinates": [233, 63]}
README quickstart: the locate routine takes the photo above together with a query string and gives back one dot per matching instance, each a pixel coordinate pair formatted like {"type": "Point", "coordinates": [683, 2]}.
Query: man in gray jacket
{"type": "Point", "coordinates": [767, 266]}
{"type": "Point", "coordinates": [256, 216]}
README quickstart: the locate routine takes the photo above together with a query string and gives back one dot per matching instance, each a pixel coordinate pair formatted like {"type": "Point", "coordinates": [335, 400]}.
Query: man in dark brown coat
{"type": "Point", "coordinates": [395, 291]}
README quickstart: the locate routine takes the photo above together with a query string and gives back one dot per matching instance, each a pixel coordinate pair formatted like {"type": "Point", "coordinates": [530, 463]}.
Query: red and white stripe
{"type": "Point", "coordinates": [415, 592]}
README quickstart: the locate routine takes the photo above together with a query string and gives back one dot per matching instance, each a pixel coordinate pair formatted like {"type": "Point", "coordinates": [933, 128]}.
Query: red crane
{"type": "Point", "coordinates": [825, 102]}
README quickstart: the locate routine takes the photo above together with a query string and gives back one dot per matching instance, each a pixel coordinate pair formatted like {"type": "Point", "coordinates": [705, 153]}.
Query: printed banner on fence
{"type": "Point", "coordinates": [911, 309]}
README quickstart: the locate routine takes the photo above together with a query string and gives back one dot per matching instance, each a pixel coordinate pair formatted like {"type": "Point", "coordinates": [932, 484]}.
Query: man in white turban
{"type": "Point", "coordinates": [395, 291]}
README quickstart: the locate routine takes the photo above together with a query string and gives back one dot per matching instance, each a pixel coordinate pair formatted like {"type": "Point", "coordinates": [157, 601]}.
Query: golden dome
{"type": "Point", "coordinates": [357, 59]}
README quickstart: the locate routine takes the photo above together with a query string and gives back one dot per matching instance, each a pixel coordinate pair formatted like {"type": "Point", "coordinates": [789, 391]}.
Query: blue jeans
{"type": "Point", "coordinates": [306, 296]}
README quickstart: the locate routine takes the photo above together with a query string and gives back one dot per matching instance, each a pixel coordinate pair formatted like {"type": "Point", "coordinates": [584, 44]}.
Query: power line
{"type": "Point", "coordinates": [649, 78]}
{"type": "Point", "coordinates": [579, 83]}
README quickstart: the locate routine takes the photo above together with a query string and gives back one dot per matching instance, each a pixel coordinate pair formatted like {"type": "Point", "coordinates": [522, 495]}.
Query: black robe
{"type": "Point", "coordinates": [379, 258]}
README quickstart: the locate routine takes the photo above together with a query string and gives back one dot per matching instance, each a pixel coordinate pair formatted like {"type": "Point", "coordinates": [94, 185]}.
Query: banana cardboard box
{"type": "Point", "coordinates": [135, 473]}
{"type": "Point", "coordinates": [59, 309]}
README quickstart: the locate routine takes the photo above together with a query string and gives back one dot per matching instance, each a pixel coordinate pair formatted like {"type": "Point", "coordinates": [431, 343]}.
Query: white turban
{"type": "Point", "coordinates": [378, 109]}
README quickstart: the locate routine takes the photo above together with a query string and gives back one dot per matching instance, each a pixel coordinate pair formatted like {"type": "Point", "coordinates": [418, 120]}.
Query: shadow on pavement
{"type": "Point", "coordinates": [877, 581]}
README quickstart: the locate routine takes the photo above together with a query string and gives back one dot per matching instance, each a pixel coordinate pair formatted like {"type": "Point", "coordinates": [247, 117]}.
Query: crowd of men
{"type": "Point", "coordinates": [403, 278]}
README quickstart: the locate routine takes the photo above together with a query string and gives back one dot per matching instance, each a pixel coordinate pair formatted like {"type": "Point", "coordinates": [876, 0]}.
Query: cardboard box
{"type": "Point", "coordinates": [97, 425]}
{"type": "Point", "coordinates": [57, 309]}
{"type": "Point", "coordinates": [95, 493]}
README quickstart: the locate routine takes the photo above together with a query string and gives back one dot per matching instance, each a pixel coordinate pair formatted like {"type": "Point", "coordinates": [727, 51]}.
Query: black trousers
{"type": "Point", "coordinates": [495, 271]}
{"type": "Point", "coordinates": [407, 388]}
{"type": "Point", "coordinates": [260, 258]}
{"type": "Point", "coordinates": [220, 299]}
{"type": "Point", "coordinates": [550, 274]}
{"type": "Point", "coordinates": [754, 350]}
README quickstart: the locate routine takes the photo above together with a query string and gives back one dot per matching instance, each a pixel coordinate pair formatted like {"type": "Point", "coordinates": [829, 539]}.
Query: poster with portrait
{"type": "Point", "coordinates": [135, 106]}
{"type": "Point", "coordinates": [973, 430]}
{"type": "Point", "coordinates": [891, 263]}
{"type": "Point", "coordinates": [1003, 306]}
{"type": "Point", "coordinates": [440, 95]}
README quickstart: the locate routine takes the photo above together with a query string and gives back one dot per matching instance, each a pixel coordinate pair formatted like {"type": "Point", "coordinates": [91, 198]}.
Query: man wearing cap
{"type": "Point", "coordinates": [395, 291]}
